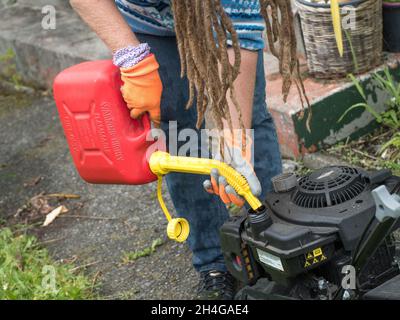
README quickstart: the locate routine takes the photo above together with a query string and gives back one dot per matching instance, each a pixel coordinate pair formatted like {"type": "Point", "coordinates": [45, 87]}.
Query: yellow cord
{"type": "Point", "coordinates": [178, 229]}
{"type": "Point", "coordinates": [161, 200]}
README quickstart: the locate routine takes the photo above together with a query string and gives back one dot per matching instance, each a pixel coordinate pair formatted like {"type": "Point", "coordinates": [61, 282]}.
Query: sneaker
{"type": "Point", "coordinates": [216, 285]}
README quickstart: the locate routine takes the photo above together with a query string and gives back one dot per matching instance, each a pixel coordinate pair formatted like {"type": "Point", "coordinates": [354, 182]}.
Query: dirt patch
{"type": "Point", "coordinates": [367, 152]}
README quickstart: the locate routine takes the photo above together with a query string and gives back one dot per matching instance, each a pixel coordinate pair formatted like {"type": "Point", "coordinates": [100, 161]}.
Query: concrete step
{"type": "Point", "coordinates": [58, 4]}
{"type": "Point", "coordinates": [41, 54]}
{"type": "Point", "coordinates": [329, 100]}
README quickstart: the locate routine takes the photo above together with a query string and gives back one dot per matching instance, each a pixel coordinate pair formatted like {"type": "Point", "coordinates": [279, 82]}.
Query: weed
{"type": "Point", "coordinates": [389, 118]}
{"type": "Point", "coordinates": [28, 273]}
{"type": "Point", "coordinates": [129, 257]}
{"type": "Point", "coordinates": [9, 68]}
{"type": "Point", "coordinates": [362, 152]}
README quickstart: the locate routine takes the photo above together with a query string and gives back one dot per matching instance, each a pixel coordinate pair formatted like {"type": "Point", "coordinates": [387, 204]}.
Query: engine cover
{"type": "Point", "coordinates": [308, 223]}
{"type": "Point", "coordinates": [330, 200]}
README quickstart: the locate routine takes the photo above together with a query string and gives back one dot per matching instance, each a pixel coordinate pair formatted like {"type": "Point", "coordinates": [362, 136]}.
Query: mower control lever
{"type": "Point", "coordinates": [387, 205]}
{"type": "Point", "coordinates": [387, 214]}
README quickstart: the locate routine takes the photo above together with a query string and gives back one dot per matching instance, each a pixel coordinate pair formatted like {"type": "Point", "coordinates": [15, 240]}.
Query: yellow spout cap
{"type": "Point", "coordinates": [178, 229]}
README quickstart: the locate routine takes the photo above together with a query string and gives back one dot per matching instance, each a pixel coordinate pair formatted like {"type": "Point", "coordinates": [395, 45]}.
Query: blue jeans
{"type": "Point", "coordinates": [207, 213]}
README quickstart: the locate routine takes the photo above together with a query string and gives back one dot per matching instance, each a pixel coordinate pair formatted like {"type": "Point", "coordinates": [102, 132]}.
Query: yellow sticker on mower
{"type": "Point", "coordinates": [314, 257]}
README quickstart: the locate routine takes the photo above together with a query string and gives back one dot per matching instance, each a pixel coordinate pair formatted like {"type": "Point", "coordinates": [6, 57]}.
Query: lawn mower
{"type": "Point", "coordinates": [325, 236]}
{"type": "Point", "coordinates": [328, 235]}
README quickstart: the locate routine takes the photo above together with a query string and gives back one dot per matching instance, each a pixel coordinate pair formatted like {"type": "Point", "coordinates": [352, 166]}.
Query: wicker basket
{"type": "Point", "coordinates": [365, 43]}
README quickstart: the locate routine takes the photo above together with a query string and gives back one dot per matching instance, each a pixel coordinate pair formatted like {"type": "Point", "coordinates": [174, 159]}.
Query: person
{"type": "Point", "coordinates": [179, 58]}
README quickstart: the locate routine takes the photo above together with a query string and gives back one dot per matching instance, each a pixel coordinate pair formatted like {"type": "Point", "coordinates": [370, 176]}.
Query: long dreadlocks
{"type": "Point", "coordinates": [204, 30]}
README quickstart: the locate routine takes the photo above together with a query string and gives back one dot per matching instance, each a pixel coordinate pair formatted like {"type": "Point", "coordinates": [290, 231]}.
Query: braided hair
{"type": "Point", "coordinates": [204, 30]}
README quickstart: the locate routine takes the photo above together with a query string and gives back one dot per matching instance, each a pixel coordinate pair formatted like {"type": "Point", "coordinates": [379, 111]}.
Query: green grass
{"type": "Point", "coordinates": [129, 257]}
{"type": "Point", "coordinates": [9, 68]}
{"type": "Point", "coordinates": [27, 272]}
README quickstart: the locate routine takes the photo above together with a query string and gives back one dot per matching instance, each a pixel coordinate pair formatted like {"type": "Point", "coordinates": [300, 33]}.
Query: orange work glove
{"type": "Point", "coordinates": [238, 158]}
{"type": "Point", "coordinates": [142, 89]}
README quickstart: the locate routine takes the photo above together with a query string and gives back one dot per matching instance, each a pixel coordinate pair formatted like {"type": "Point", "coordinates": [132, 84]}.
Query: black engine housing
{"type": "Point", "coordinates": [308, 232]}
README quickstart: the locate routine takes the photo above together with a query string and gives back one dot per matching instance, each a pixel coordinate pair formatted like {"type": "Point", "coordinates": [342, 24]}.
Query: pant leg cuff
{"type": "Point", "coordinates": [216, 266]}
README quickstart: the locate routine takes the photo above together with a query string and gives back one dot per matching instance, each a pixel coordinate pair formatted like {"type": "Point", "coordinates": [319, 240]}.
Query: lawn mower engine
{"type": "Point", "coordinates": [331, 234]}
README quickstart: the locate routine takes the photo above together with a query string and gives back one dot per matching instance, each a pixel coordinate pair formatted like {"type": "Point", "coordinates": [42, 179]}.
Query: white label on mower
{"type": "Point", "coordinates": [270, 260]}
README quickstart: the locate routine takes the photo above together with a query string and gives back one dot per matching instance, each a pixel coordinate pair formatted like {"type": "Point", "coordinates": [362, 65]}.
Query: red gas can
{"type": "Point", "coordinates": [107, 146]}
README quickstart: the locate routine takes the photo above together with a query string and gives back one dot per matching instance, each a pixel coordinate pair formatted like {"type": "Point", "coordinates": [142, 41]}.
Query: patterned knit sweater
{"type": "Point", "coordinates": [155, 17]}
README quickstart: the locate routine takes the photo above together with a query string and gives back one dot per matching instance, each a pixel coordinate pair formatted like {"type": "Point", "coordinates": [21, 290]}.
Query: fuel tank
{"type": "Point", "coordinates": [107, 146]}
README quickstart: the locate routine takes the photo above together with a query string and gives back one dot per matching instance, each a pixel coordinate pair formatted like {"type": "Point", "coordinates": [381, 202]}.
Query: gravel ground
{"type": "Point", "coordinates": [100, 226]}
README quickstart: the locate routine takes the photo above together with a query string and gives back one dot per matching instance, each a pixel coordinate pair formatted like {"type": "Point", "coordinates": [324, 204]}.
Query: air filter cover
{"type": "Point", "coordinates": [329, 187]}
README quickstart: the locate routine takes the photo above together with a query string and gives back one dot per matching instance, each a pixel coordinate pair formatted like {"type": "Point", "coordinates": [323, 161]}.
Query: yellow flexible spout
{"type": "Point", "coordinates": [162, 163]}
{"type": "Point", "coordinates": [337, 25]}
